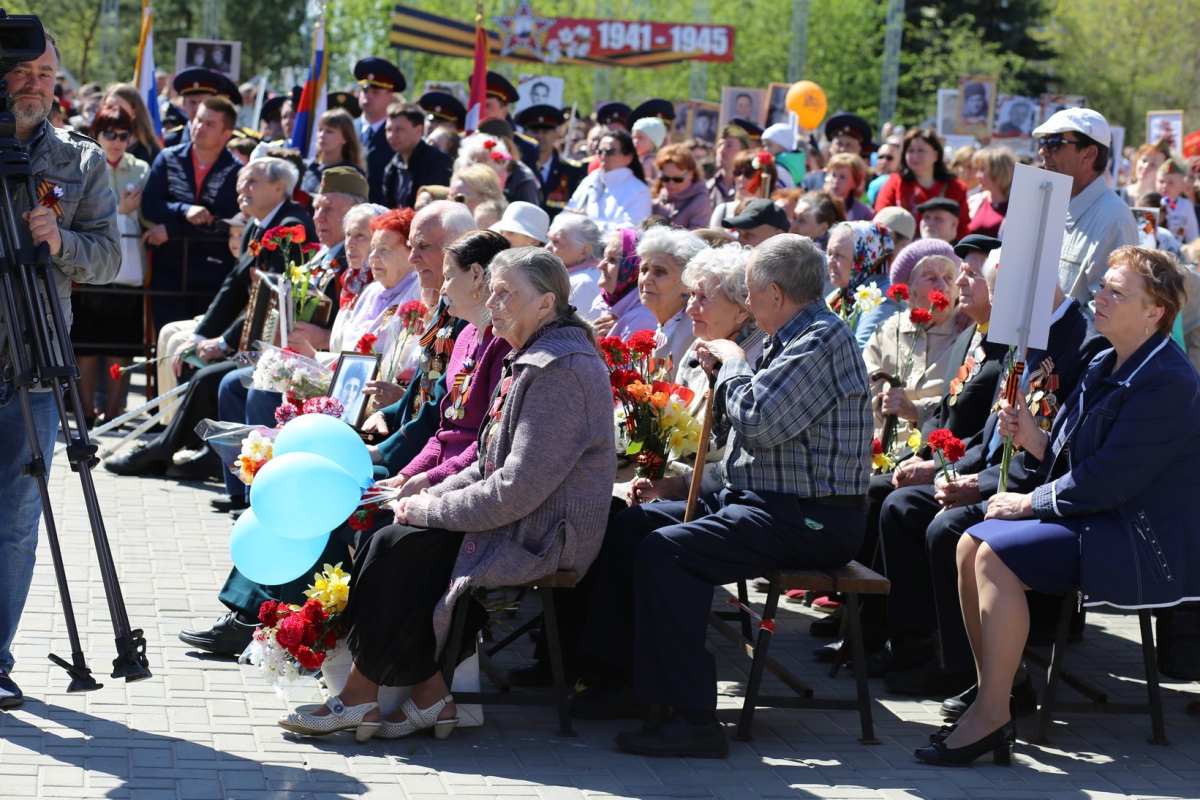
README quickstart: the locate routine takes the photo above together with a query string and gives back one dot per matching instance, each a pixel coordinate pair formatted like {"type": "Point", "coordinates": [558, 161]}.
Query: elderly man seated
{"type": "Point", "coordinates": [790, 494]}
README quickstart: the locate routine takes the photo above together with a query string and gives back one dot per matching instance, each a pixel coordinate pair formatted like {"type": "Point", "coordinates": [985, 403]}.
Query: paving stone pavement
{"type": "Point", "coordinates": [204, 728]}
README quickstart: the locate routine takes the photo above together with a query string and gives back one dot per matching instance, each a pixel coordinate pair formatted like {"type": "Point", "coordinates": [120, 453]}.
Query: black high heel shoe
{"type": "Point", "coordinates": [942, 733]}
{"type": "Point", "coordinates": [1000, 742]}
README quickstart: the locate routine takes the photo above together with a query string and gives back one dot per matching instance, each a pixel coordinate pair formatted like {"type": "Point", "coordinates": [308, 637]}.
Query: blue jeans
{"type": "Point", "coordinates": [238, 403]}
{"type": "Point", "coordinates": [20, 508]}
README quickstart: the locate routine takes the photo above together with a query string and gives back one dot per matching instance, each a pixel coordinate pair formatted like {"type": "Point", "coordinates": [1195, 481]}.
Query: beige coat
{"type": "Point", "coordinates": [931, 372]}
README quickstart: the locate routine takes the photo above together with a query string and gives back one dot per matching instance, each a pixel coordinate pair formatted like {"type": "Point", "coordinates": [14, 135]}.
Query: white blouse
{"type": "Point", "coordinates": [613, 199]}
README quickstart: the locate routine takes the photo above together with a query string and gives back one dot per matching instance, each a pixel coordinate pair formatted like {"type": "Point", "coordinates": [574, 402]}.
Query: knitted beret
{"type": "Point", "coordinates": [906, 259]}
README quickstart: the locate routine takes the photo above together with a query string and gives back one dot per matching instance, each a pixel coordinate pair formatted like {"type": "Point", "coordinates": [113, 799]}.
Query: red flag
{"type": "Point", "coordinates": [1191, 144]}
{"type": "Point", "coordinates": [479, 75]}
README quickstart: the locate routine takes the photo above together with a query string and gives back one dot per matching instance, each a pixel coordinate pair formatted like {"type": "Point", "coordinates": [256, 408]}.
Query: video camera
{"type": "Point", "coordinates": [22, 38]}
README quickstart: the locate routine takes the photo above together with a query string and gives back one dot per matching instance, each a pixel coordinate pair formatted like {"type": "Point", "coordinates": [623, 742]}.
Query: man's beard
{"type": "Point", "coordinates": [26, 118]}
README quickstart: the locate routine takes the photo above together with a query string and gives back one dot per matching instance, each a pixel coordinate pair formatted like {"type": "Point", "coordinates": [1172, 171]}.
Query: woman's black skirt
{"type": "Point", "coordinates": [397, 583]}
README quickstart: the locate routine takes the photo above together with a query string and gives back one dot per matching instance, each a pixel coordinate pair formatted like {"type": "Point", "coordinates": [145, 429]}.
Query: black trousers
{"type": "Point", "coordinates": [905, 516]}
{"type": "Point", "coordinates": [655, 578]}
{"type": "Point", "coordinates": [199, 403]}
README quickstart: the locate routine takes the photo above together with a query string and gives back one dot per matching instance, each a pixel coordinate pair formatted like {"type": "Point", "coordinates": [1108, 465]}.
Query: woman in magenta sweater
{"type": "Point", "coordinates": [473, 370]}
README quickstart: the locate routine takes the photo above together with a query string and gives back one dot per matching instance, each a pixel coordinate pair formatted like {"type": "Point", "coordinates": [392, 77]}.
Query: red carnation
{"type": "Point", "coordinates": [291, 632]}
{"type": "Point", "coordinates": [920, 316]}
{"type": "Point", "coordinates": [876, 447]}
{"type": "Point", "coordinates": [938, 301]}
{"type": "Point", "coordinates": [954, 449]}
{"type": "Point", "coordinates": [285, 413]}
{"type": "Point", "coordinates": [488, 144]}
{"type": "Point", "coordinates": [937, 439]}
{"type": "Point", "coordinates": [366, 345]}
{"type": "Point", "coordinates": [330, 641]}
{"type": "Point", "coordinates": [414, 307]}
{"type": "Point", "coordinates": [363, 519]}
{"type": "Point", "coordinates": [309, 247]}
{"type": "Point", "coordinates": [308, 659]}
{"type": "Point", "coordinates": [898, 292]}
{"type": "Point", "coordinates": [114, 372]}
{"type": "Point", "coordinates": [270, 612]}
{"type": "Point", "coordinates": [498, 156]}
{"type": "Point", "coordinates": [643, 342]}
{"type": "Point", "coordinates": [763, 160]}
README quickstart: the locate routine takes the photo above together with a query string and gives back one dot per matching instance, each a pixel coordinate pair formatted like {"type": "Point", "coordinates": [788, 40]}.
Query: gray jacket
{"type": "Point", "coordinates": [91, 246]}
{"type": "Point", "coordinates": [540, 503]}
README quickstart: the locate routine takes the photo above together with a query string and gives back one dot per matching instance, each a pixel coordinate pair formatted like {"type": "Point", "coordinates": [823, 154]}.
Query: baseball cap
{"type": "Point", "coordinates": [1091, 124]}
{"type": "Point", "coordinates": [897, 219]}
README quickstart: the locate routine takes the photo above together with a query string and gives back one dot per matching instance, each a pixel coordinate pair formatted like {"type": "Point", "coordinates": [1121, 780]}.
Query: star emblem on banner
{"type": "Point", "coordinates": [523, 31]}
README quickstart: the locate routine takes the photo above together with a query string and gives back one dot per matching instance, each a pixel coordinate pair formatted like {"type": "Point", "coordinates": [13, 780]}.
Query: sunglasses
{"type": "Point", "coordinates": [886, 158]}
{"type": "Point", "coordinates": [1052, 144]}
{"type": "Point", "coordinates": [122, 136]}
{"type": "Point", "coordinates": [743, 173]}
{"type": "Point", "coordinates": [609, 151]}
{"type": "Point", "coordinates": [669, 179]}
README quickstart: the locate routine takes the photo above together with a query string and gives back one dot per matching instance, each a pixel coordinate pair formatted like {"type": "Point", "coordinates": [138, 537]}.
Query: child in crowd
{"type": "Point", "coordinates": [1181, 214]}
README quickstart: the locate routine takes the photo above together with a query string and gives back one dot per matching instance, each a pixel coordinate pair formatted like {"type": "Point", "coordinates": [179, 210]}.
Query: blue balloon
{"type": "Point", "coordinates": [323, 435]}
{"type": "Point", "coordinates": [301, 495]}
{"type": "Point", "coordinates": [267, 558]}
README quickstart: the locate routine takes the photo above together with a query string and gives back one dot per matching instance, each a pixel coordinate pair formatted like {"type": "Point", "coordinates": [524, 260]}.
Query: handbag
{"type": "Point", "coordinates": [1178, 634]}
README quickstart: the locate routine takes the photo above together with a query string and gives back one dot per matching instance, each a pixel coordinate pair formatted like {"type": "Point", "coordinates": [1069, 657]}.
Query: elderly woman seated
{"type": "Point", "coordinates": [521, 511]}
{"type": "Point", "coordinates": [1107, 524]}
{"type": "Point", "coordinates": [621, 311]}
{"type": "Point", "coordinates": [579, 243]}
{"type": "Point", "coordinates": [859, 254]}
{"type": "Point", "coordinates": [907, 359]}
{"type": "Point", "coordinates": [664, 253]}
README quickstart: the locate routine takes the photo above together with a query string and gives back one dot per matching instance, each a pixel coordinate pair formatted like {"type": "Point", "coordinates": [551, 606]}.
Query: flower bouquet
{"type": "Point", "coordinates": [656, 412]}
{"type": "Point", "coordinates": [306, 298]}
{"type": "Point", "coordinates": [867, 298]}
{"type": "Point", "coordinates": [948, 449]}
{"type": "Point", "coordinates": [285, 371]}
{"type": "Point", "coordinates": [921, 319]}
{"type": "Point", "coordinates": [294, 640]}
{"type": "Point", "coordinates": [409, 322]}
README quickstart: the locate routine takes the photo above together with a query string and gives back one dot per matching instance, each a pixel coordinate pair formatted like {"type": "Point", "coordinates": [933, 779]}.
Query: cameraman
{"type": "Point", "coordinates": [75, 214]}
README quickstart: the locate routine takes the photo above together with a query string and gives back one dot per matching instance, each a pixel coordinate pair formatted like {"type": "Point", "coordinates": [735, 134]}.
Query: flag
{"type": "Point", "coordinates": [144, 78]}
{"type": "Point", "coordinates": [312, 99]}
{"type": "Point", "coordinates": [479, 75]}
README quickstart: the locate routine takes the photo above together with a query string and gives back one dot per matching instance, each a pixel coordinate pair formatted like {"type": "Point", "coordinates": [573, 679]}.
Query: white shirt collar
{"type": "Point", "coordinates": [1061, 311]}
{"type": "Point", "coordinates": [262, 222]}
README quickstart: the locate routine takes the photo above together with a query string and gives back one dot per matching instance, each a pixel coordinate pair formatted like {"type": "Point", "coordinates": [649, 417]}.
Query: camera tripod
{"type": "Point", "coordinates": [40, 355]}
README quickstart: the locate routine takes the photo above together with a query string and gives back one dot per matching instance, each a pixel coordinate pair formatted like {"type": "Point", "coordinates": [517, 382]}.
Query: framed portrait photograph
{"type": "Point", "coordinates": [947, 107]}
{"type": "Point", "coordinates": [740, 101]}
{"type": "Point", "coordinates": [218, 55]}
{"type": "Point", "coordinates": [1051, 104]}
{"type": "Point", "coordinates": [1015, 117]}
{"type": "Point", "coordinates": [703, 119]}
{"type": "Point", "coordinates": [539, 90]}
{"type": "Point", "coordinates": [777, 112]}
{"type": "Point", "coordinates": [1167, 126]}
{"type": "Point", "coordinates": [682, 117]}
{"type": "Point", "coordinates": [976, 106]}
{"type": "Point", "coordinates": [349, 379]}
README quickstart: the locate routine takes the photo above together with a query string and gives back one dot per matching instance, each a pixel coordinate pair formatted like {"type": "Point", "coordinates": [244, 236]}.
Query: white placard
{"type": "Point", "coordinates": [1018, 271]}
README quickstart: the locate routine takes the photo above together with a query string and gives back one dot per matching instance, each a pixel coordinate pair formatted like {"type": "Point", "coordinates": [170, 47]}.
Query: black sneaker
{"type": "Point", "coordinates": [230, 635]}
{"type": "Point", "coordinates": [224, 504]}
{"type": "Point", "coordinates": [10, 694]}
{"type": "Point", "coordinates": [675, 736]}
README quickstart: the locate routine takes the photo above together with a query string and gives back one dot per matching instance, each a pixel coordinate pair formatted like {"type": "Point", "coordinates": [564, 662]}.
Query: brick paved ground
{"type": "Point", "coordinates": [205, 728]}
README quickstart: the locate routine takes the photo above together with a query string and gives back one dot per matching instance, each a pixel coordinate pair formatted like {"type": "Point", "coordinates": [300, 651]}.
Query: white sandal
{"type": "Point", "coordinates": [419, 719]}
{"type": "Point", "coordinates": [340, 718]}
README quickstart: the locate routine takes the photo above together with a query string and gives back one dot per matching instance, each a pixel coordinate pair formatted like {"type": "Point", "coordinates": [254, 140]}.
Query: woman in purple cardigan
{"type": "Point", "coordinates": [534, 501]}
{"type": "Point", "coordinates": [473, 370]}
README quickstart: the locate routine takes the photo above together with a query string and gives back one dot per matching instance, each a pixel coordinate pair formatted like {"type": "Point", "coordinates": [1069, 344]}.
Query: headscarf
{"type": "Point", "coordinates": [873, 247]}
{"type": "Point", "coordinates": [627, 270]}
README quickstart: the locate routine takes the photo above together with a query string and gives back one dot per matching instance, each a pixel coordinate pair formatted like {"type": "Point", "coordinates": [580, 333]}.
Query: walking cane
{"type": "Point", "coordinates": [702, 445]}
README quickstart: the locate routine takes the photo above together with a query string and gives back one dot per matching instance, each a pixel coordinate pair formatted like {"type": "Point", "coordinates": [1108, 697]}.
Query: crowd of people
{"type": "Point", "coordinates": [525, 248]}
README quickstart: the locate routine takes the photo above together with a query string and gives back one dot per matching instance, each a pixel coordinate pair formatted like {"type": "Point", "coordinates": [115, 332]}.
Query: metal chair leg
{"type": "Point", "coordinates": [744, 596]}
{"type": "Point", "coordinates": [860, 671]}
{"type": "Point", "coordinates": [1054, 671]}
{"type": "Point", "coordinates": [765, 629]}
{"type": "Point", "coordinates": [550, 629]}
{"type": "Point", "coordinates": [1156, 712]}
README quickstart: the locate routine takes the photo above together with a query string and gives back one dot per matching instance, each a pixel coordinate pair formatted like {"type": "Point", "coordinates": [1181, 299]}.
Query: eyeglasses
{"type": "Point", "coordinates": [1052, 144]}
{"type": "Point", "coordinates": [609, 151]}
{"type": "Point", "coordinates": [886, 158]}
{"type": "Point", "coordinates": [669, 179]}
{"type": "Point", "coordinates": [118, 135]}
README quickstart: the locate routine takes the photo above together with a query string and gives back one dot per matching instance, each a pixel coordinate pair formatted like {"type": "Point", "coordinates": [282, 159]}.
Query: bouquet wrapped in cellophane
{"type": "Point", "coordinates": [283, 370]}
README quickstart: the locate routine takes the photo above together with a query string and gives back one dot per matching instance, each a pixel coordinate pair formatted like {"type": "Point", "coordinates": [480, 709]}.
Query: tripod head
{"type": "Point", "coordinates": [22, 38]}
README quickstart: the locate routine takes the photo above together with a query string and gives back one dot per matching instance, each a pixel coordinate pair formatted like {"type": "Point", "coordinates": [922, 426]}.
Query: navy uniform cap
{"type": "Point", "coordinates": [198, 80]}
{"type": "Point", "coordinates": [850, 125]}
{"type": "Point", "coordinates": [540, 116]}
{"type": "Point", "coordinates": [443, 106]}
{"type": "Point", "coordinates": [380, 73]}
{"type": "Point", "coordinates": [655, 107]}
{"type": "Point", "coordinates": [272, 108]}
{"type": "Point", "coordinates": [343, 100]}
{"type": "Point", "coordinates": [754, 130]}
{"type": "Point", "coordinates": [614, 112]}
{"type": "Point", "coordinates": [499, 87]}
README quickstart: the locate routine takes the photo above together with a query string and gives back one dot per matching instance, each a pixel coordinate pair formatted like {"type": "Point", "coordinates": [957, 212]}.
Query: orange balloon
{"type": "Point", "coordinates": [807, 101]}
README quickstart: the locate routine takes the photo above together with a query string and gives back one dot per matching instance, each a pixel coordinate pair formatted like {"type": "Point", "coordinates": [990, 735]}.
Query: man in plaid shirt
{"type": "Point", "coordinates": [789, 494]}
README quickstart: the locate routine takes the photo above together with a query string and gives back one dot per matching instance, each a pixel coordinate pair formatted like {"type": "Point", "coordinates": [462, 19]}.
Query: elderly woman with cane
{"type": "Point", "coordinates": [535, 501]}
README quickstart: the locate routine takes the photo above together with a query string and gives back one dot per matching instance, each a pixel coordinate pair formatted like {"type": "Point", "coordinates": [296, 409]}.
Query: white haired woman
{"type": "Point", "coordinates": [579, 243]}
{"type": "Point", "coordinates": [716, 279]}
{"type": "Point", "coordinates": [664, 254]}
{"type": "Point", "coordinates": [518, 180]}
{"type": "Point", "coordinates": [521, 511]}
{"type": "Point", "coordinates": [926, 266]}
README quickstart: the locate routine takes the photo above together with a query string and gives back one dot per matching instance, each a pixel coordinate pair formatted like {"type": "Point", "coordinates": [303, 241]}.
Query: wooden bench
{"type": "Point", "coordinates": [1098, 703]}
{"type": "Point", "coordinates": [504, 695]}
{"type": "Point", "coordinates": [851, 581]}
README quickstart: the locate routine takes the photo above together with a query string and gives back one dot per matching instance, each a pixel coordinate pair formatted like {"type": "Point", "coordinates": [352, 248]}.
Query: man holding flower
{"type": "Point", "coordinates": [790, 494]}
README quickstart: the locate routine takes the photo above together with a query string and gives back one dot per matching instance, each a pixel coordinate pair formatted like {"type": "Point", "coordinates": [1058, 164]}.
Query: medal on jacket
{"type": "Point", "coordinates": [49, 193]}
{"type": "Point", "coordinates": [460, 391]}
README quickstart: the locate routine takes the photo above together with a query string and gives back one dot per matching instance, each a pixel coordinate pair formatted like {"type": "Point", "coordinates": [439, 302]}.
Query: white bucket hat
{"type": "Point", "coordinates": [525, 219]}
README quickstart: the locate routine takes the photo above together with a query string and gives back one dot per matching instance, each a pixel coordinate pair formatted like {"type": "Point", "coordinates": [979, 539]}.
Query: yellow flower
{"type": "Point", "coordinates": [881, 461]}
{"type": "Point", "coordinates": [867, 298]}
{"type": "Point", "coordinates": [296, 274]}
{"type": "Point", "coordinates": [331, 587]}
{"type": "Point", "coordinates": [914, 441]}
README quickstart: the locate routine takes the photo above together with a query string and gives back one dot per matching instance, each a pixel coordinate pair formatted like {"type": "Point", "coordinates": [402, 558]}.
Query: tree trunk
{"type": "Point", "coordinates": [87, 45]}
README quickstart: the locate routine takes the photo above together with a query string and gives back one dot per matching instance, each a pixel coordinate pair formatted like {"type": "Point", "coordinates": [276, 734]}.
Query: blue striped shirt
{"type": "Point", "coordinates": [802, 421]}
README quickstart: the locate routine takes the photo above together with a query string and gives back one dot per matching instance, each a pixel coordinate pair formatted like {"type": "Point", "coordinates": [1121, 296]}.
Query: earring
{"type": "Point", "coordinates": [476, 296]}
{"type": "Point", "coordinates": [1145, 330]}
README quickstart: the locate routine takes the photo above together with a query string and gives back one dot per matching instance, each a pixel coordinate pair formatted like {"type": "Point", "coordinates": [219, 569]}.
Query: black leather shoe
{"type": "Point", "coordinates": [203, 465]}
{"type": "Point", "coordinates": [901, 654]}
{"type": "Point", "coordinates": [929, 680]}
{"type": "Point", "coordinates": [675, 736]}
{"type": "Point", "coordinates": [224, 504]}
{"type": "Point", "coordinates": [942, 733]}
{"type": "Point", "coordinates": [228, 637]}
{"type": "Point", "coordinates": [612, 700]}
{"type": "Point", "coordinates": [1023, 694]}
{"type": "Point", "coordinates": [827, 653]}
{"type": "Point", "coordinates": [1000, 743]}
{"type": "Point", "coordinates": [146, 458]}
{"type": "Point", "coordinates": [10, 694]}
{"type": "Point", "coordinates": [828, 628]}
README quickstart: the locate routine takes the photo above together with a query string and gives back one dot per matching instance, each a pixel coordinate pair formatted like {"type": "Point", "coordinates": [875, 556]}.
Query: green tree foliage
{"type": "Point", "coordinates": [1129, 58]}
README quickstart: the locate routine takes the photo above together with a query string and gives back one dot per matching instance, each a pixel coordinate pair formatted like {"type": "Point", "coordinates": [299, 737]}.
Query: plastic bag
{"type": "Point", "coordinates": [243, 449]}
{"type": "Point", "coordinates": [289, 373]}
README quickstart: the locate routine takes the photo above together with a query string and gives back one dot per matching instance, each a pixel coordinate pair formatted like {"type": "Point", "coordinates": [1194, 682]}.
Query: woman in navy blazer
{"type": "Point", "coordinates": [1108, 520]}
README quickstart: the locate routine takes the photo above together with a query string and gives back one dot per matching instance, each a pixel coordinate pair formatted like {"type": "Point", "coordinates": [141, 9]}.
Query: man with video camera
{"type": "Point", "coordinates": [74, 214]}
